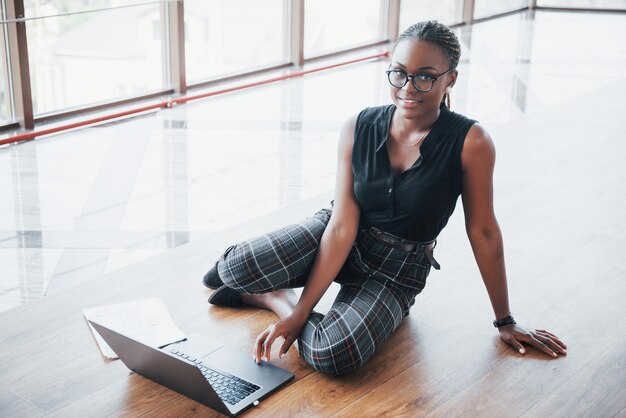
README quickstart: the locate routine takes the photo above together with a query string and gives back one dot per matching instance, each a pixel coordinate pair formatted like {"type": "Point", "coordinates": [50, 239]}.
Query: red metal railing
{"type": "Point", "coordinates": [171, 102]}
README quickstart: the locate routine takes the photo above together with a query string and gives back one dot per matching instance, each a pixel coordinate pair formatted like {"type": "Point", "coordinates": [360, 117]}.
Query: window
{"type": "Point", "coordinates": [587, 4]}
{"type": "Point", "coordinates": [225, 36]}
{"type": "Point", "coordinates": [81, 59]}
{"type": "Point", "coordinates": [486, 8]}
{"type": "Point", "coordinates": [333, 25]}
{"type": "Point", "coordinates": [6, 111]}
{"type": "Point", "coordinates": [447, 12]}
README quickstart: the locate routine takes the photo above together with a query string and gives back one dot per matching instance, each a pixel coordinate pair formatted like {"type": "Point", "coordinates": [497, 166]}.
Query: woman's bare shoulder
{"type": "Point", "coordinates": [348, 129]}
{"type": "Point", "coordinates": [478, 146]}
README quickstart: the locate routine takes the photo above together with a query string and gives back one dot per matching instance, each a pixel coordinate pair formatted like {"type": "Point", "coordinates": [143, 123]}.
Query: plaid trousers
{"type": "Point", "coordinates": [378, 286]}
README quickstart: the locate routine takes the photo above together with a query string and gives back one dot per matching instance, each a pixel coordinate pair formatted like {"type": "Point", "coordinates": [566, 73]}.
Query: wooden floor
{"type": "Point", "coordinates": [560, 196]}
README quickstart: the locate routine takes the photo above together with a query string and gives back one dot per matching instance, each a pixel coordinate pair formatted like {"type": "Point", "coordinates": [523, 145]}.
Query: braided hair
{"type": "Point", "coordinates": [439, 34]}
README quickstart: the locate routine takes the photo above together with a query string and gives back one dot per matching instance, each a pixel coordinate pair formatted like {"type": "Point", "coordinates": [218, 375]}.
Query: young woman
{"type": "Point", "coordinates": [400, 170]}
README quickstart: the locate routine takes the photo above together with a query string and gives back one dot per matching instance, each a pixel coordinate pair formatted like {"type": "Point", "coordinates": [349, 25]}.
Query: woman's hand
{"type": "Point", "coordinates": [288, 328]}
{"type": "Point", "coordinates": [547, 342]}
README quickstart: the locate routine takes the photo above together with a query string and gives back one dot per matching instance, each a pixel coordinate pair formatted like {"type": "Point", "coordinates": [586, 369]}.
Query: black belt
{"type": "Point", "coordinates": [406, 245]}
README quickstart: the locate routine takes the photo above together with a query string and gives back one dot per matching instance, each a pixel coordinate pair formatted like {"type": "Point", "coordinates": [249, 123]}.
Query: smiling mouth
{"type": "Point", "coordinates": [408, 100]}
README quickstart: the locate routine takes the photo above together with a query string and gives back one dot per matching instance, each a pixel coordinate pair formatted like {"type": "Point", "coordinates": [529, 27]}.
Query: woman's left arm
{"type": "Point", "coordinates": [478, 159]}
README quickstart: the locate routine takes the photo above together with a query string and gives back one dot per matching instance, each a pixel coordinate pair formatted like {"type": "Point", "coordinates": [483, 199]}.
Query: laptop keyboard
{"type": "Point", "coordinates": [230, 389]}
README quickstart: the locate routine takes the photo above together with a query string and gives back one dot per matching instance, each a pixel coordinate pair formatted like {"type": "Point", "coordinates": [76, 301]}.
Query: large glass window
{"type": "Point", "coordinates": [586, 4]}
{"type": "Point", "coordinates": [223, 36]}
{"type": "Point", "coordinates": [331, 25]}
{"type": "Point", "coordinates": [81, 59]}
{"type": "Point", "coordinates": [485, 8]}
{"type": "Point", "coordinates": [38, 8]}
{"type": "Point", "coordinates": [6, 114]}
{"type": "Point", "coordinates": [445, 11]}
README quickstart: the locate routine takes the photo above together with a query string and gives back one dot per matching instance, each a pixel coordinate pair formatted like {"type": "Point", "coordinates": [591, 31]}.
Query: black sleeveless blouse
{"type": "Point", "coordinates": [417, 203]}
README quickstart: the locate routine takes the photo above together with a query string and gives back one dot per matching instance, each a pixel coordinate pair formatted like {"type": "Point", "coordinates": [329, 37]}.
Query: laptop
{"type": "Point", "coordinates": [215, 375]}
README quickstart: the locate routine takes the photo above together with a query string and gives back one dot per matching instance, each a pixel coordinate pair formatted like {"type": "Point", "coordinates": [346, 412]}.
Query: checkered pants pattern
{"type": "Point", "coordinates": [378, 286]}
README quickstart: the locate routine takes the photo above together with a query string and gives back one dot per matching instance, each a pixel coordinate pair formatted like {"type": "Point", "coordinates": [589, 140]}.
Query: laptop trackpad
{"type": "Point", "coordinates": [231, 361]}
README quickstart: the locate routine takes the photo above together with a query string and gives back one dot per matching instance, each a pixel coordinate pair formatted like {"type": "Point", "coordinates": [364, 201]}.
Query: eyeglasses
{"type": "Point", "coordinates": [422, 82]}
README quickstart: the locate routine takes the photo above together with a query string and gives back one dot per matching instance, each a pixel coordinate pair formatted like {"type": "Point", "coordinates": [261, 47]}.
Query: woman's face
{"type": "Point", "coordinates": [420, 57]}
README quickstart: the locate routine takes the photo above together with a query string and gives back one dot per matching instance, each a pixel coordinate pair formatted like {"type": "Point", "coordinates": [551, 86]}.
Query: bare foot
{"type": "Point", "coordinates": [282, 302]}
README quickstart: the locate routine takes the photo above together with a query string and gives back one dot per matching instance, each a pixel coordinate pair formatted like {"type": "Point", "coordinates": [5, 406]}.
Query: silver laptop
{"type": "Point", "coordinates": [215, 375]}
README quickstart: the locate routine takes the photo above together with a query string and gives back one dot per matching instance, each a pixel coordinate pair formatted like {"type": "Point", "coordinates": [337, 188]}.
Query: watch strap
{"type": "Point", "coordinates": [507, 320]}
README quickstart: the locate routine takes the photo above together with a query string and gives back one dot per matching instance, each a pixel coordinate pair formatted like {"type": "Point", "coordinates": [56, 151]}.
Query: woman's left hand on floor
{"type": "Point", "coordinates": [547, 342]}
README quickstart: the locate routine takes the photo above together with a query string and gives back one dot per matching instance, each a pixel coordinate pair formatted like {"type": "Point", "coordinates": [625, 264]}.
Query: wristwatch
{"type": "Point", "coordinates": [507, 320]}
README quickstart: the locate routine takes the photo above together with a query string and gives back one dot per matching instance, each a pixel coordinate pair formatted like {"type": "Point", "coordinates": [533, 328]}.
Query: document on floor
{"type": "Point", "coordinates": [145, 320]}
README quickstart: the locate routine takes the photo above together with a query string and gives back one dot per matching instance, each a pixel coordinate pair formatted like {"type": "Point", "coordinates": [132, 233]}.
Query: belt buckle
{"type": "Point", "coordinates": [375, 232]}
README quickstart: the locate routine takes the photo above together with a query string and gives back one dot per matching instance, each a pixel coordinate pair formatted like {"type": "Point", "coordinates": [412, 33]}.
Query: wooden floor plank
{"type": "Point", "coordinates": [599, 389]}
{"type": "Point", "coordinates": [12, 405]}
{"type": "Point", "coordinates": [129, 397]}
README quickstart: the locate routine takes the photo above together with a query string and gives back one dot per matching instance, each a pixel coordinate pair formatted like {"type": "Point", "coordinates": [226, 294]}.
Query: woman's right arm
{"type": "Point", "coordinates": [332, 252]}
{"type": "Point", "coordinates": [340, 232]}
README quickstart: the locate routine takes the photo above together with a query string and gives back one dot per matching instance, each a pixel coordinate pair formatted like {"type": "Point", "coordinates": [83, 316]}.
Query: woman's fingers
{"type": "Point", "coordinates": [552, 336]}
{"type": "Point", "coordinates": [258, 346]}
{"type": "Point", "coordinates": [265, 340]}
{"type": "Point", "coordinates": [540, 338]}
{"type": "Point", "coordinates": [534, 341]}
{"type": "Point", "coordinates": [551, 343]}
{"type": "Point", "coordinates": [543, 331]}
{"type": "Point", "coordinates": [516, 345]}
{"type": "Point", "coordinates": [285, 347]}
{"type": "Point", "coordinates": [267, 346]}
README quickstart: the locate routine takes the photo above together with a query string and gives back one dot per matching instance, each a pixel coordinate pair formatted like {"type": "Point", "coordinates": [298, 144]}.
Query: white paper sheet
{"type": "Point", "coordinates": [145, 320]}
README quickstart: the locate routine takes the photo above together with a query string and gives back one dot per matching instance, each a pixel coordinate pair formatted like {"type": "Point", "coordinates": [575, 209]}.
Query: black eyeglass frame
{"type": "Point", "coordinates": [412, 78]}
